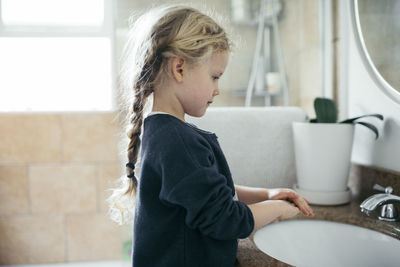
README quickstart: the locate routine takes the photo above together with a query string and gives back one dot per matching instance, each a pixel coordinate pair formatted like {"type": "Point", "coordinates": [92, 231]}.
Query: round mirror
{"type": "Point", "coordinates": [377, 34]}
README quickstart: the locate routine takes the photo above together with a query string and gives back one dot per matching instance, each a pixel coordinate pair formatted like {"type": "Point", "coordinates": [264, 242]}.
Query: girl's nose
{"type": "Point", "coordinates": [216, 92]}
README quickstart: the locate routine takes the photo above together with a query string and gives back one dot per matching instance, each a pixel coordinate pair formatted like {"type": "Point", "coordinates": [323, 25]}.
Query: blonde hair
{"type": "Point", "coordinates": [157, 36]}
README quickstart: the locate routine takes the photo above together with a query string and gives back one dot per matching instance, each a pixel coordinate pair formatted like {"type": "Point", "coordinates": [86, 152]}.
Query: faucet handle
{"type": "Point", "coordinates": [387, 190]}
{"type": "Point", "coordinates": [389, 213]}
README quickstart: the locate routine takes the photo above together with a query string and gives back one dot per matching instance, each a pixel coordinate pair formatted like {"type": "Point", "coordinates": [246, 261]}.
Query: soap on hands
{"type": "Point", "coordinates": [268, 211]}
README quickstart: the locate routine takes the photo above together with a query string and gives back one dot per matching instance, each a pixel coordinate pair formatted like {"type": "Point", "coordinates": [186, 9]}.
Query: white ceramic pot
{"type": "Point", "coordinates": [323, 153]}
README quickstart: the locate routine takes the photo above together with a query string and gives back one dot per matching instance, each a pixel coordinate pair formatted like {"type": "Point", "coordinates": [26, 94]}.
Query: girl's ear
{"type": "Point", "coordinates": [178, 65]}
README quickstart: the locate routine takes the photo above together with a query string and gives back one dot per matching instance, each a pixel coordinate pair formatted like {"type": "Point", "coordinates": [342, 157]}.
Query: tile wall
{"type": "Point", "coordinates": [54, 170]}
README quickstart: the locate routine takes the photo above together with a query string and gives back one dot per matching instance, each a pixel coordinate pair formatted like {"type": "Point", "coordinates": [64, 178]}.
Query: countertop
{"type": "Point", "coordinates": [250, 256]}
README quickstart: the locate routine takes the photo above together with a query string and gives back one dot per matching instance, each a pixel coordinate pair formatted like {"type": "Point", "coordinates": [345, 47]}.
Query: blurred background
{"type": "Point", "coordinates": [62, 142]}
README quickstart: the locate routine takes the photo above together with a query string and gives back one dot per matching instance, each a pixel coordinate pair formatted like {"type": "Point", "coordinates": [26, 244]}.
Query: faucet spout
{"type": "Point", "coordinates": [377, 200]}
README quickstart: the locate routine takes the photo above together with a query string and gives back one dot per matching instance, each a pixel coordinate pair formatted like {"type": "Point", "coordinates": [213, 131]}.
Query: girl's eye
{"type": "Point", "coordinates": [215, 78]}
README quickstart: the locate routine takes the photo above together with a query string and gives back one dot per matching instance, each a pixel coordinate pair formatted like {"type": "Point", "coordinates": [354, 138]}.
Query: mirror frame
{"type": "Point", "coordinates": [391, 92]}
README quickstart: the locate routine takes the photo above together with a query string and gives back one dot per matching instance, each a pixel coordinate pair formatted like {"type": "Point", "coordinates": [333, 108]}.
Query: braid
{"type": "Point", "coordinates": [136, 121]}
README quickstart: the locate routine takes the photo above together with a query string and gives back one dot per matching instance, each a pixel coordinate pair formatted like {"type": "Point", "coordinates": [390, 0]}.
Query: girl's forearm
{"type": "Point", "coordinates": [266, 212]}
{"type": "Point", "coordinates": [250, 195]}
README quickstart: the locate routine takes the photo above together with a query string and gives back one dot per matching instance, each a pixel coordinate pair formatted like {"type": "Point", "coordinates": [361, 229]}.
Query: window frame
{"type": "Point", "coordinates": [106, 30]}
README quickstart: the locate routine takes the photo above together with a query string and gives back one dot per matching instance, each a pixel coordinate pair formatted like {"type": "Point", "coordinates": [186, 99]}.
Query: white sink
{"type": "Point", "coordinates": [324, 243]}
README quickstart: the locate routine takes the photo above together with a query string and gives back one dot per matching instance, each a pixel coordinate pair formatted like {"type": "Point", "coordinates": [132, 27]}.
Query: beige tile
{"type": "Point", "coordinates": [292, 66]}
{"type": "Point", "coordinates": [310, 82]}
{"type": "Point", "coordinates": [228, 98]}
{"type": "Point", "coordinates": [237, 73]}
{"type": "Point", "coordinates": [310, 22]}
{"type": "Point", "coordinates": [30, 138]}
{"type": "Point", "coordinates": [108, 174]}
{"type": "Point", "coordinates": [90, 137]}
{"type": "Point", "coordinates": [289, 29]}
{"type": "Point", "coordinates": [32, 239]}
{"type": "Point", "coordinates": [299, 33]}
{"type": "Point", "coordinates": [126, 232]}
{"type": "Point", "coordinates": [93, 237]}
{"type": "Point", "coordinates": [14, 190]}
{"type": "Point", "coordinates": [63, 187]}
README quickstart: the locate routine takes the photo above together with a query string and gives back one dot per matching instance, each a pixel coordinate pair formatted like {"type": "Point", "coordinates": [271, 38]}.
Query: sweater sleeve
{"type": "Point", "coordinates": [190, 179]}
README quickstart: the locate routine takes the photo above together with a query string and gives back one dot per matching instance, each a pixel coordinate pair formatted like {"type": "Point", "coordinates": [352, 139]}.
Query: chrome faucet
{"type": "Point", "coordinates": [384, 201]}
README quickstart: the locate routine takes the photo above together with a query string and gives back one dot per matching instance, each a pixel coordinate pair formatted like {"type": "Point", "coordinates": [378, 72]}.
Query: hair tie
{"type": "Point", "coordinates": [130, 169]}
{"type": "Point", "coordinates": [130, 165]}
{"type": "Point", "coordinates": [131, 172]}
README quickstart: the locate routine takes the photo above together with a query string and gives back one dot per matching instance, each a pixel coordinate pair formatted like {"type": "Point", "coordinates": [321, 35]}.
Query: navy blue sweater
{"type": "Point", "coordinates": [185, 213]}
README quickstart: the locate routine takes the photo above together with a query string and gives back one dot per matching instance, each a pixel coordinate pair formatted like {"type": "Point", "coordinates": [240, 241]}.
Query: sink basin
{"type": "Point", "coordinates": [325, 243]}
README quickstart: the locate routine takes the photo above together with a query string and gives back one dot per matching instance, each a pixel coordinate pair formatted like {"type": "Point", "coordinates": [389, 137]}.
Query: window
{"type": "Point", "coordinates": [56, 55]}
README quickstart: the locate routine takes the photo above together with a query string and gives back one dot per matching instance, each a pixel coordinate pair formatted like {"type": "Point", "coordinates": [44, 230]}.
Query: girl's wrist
{"type": "Point", "coordinates": [266, 193]}
{"type": "Point", "coordinates": [262, 194]}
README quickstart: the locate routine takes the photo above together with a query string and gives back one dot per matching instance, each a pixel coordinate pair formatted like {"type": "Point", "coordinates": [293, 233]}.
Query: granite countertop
{"type": "Point", "coordinates": [249, 255]}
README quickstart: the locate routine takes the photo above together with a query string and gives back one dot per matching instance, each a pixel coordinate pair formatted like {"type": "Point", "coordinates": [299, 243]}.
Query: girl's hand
{"type": "Point", "coordinates": [293, 197]}
{"type": "Point", "coordinates": [288, 210]}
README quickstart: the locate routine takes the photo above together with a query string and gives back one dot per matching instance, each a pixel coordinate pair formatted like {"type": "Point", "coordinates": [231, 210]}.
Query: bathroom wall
{"type": "Point", "coordinates": [364, 96]}
{"type": "Point", "coordinates": [298, 25]}
{"type": "Point", "coordinates": [54, 170]}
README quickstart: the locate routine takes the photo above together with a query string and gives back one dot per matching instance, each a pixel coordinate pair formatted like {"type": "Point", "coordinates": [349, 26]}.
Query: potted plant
{"type": "Point", "coordinates": [323, 149]}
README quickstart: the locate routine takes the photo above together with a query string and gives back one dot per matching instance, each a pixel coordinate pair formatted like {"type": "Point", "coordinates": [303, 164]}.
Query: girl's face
{"type": "Point", "coordinates": [200, 84]}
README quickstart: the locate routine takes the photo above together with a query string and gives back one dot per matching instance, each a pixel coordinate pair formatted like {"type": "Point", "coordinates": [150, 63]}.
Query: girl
{"type": "Point", "coordinates": [188, 210]}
